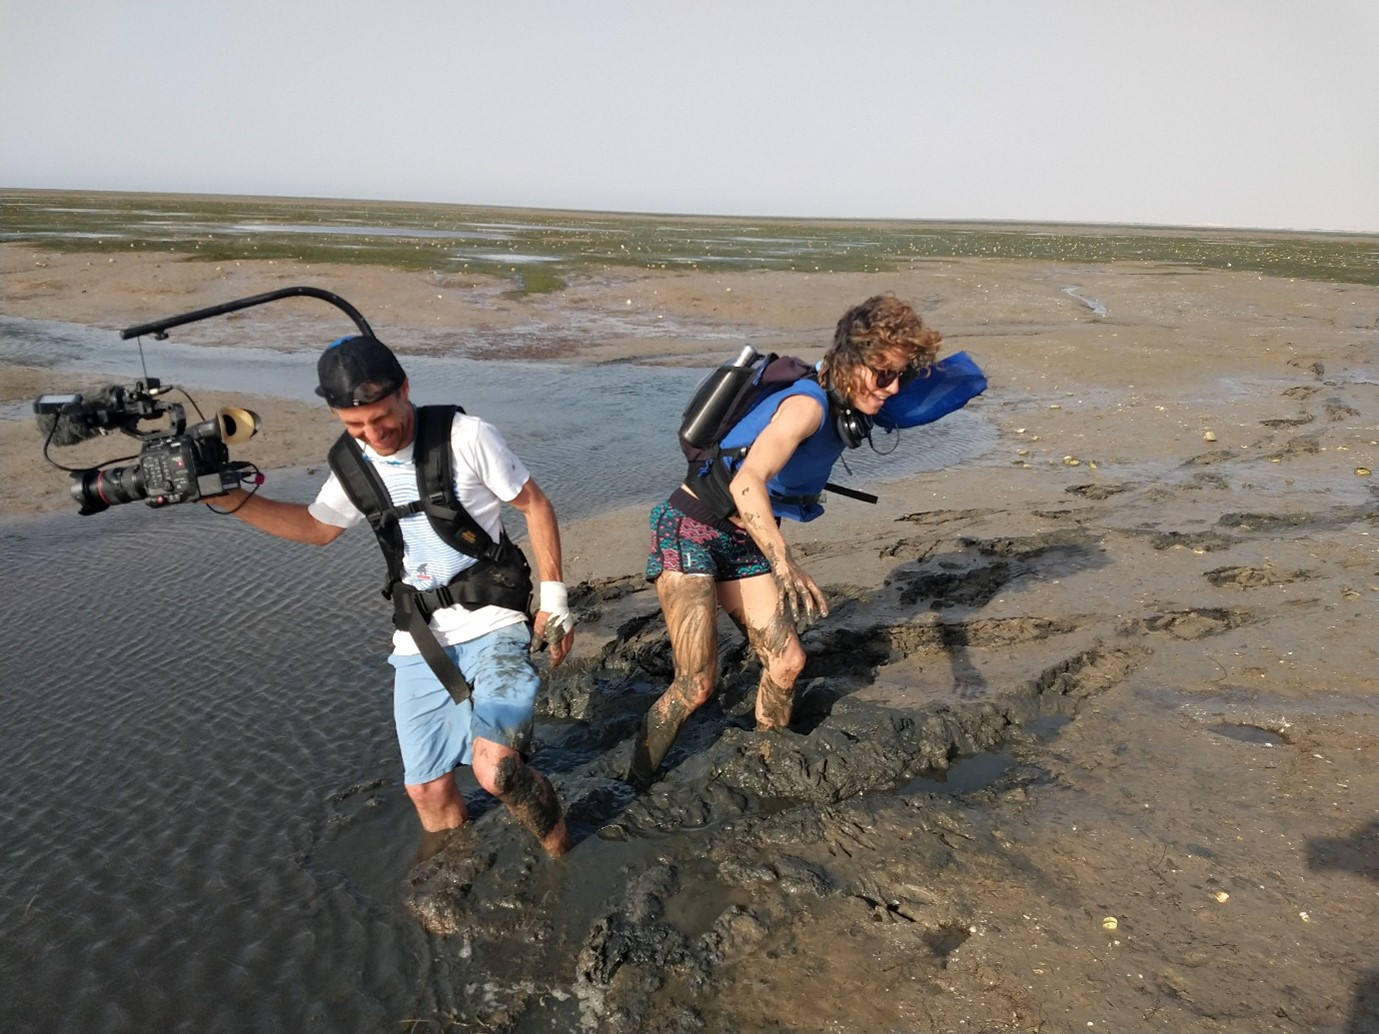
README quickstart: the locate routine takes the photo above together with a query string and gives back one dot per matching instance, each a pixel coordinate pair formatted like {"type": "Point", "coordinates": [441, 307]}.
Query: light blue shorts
{"type": "Point", "coordinates": [435, 733]}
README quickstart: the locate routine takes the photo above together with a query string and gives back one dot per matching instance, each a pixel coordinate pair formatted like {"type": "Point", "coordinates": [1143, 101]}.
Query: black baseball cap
{"type": "Point", "coordinates": [357, 371]}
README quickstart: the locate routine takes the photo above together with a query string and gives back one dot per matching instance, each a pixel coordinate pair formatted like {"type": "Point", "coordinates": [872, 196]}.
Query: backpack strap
{"type": "Point", "coordinates": [436, 486]}
{"type": "Point", "coordinates": [370, 496]}
{"type": "Point", "coordinates": [416, 621]}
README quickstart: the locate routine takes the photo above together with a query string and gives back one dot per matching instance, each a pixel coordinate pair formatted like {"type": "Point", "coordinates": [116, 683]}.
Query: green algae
{"type": "Point", "coordinates": [539, 251]}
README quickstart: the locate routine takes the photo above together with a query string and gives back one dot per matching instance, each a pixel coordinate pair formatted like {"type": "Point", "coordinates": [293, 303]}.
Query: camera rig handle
{"type": "Point", "coordinates": [159, 328]}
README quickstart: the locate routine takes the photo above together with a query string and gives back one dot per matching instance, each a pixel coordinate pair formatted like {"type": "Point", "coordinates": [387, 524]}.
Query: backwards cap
{"type": "Point", "coordinates": [357, 371]}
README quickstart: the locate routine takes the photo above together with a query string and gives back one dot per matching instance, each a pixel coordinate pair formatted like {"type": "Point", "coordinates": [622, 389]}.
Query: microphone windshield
{"type": "Point", "coordinates": [64, 419]}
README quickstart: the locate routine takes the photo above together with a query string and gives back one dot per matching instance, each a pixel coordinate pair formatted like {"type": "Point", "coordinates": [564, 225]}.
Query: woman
{"type": "Point", "coordinates": [717, 541]}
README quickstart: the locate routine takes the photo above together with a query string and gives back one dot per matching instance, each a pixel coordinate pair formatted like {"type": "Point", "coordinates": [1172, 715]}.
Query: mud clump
{"type": "Point", "coordinates": [1253, 577]}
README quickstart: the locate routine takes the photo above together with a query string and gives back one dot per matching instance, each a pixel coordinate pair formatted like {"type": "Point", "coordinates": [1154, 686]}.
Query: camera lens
{"type": "Point", "coordinates": [97, 489]}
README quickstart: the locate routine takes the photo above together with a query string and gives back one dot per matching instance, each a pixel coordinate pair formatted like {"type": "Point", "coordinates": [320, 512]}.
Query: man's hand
{"type": "Point", "coordinates": [554, 625]}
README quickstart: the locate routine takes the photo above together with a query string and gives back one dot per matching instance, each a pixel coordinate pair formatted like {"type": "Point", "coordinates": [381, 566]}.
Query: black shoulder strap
{"type": "Point", "coordinates": [436, 485]}
{"type": "Point", "coordinates": [370, 496]}
{"type": "Point", "coordinates": [435, 466]}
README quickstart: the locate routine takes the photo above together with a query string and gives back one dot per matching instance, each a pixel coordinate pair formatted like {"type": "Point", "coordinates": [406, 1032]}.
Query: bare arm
{"type": "Point", "coordinates": [291, 521]}
{"type": "Point", "coordinates": [797, 418]}
{"type": "Point", "coordinates": [543, 535]}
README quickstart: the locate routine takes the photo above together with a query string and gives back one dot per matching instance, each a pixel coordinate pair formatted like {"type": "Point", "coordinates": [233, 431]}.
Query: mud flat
{"type": "Point", "coordinates": [1088, 742]}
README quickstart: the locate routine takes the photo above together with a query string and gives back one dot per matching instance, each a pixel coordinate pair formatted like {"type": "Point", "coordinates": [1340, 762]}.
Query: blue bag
{"type": "Point", "coordinates": [945, 387]}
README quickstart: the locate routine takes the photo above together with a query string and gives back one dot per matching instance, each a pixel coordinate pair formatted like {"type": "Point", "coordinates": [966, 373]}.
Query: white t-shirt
{"type": "Point", "coordinates": [487, 474]}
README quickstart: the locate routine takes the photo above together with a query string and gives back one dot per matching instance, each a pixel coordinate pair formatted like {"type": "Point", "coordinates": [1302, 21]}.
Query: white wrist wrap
{"type": "Point", "coordinates": [555, 602]}
{"type": "Point", "coordinates": [554, 598]}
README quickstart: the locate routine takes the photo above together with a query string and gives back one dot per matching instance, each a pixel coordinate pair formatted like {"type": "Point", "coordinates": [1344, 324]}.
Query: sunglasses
{"type": "Point", "coordinates": [885, 378]}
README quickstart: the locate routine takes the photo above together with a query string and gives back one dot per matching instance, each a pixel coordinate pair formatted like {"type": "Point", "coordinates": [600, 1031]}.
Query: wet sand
{"type": "Point", "coordinates": [1136, 640]}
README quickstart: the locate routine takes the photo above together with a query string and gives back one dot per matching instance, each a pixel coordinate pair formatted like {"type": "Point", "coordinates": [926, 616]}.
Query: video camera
{"type": "Point", "coordinates": [175, 464]}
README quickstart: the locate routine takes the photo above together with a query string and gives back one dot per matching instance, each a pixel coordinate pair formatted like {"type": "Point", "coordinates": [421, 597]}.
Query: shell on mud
{"type": "Point", "coordinates": [1210, 436]}
{"type": "Point", "coordinates": [1362, 472]}
{"type": "Point", "coordinates": [1110, 923]}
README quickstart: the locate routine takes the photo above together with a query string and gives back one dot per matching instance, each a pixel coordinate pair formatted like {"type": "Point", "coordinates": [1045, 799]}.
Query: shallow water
{"type": "Point", "coordinates": [596, 438]}
{"type": "Point", "coordinates": [202, 814]}
{"type": "Point", "coordinates": [177, 751]}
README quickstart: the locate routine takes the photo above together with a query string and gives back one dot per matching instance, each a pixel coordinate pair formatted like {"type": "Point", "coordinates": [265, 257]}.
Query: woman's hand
{"type": "Point", "coordinates": [802, 599]}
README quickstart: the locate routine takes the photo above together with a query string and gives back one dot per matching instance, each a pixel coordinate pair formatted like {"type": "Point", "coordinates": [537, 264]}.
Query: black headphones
{"type": "Point", "coordinates": [853, 427]}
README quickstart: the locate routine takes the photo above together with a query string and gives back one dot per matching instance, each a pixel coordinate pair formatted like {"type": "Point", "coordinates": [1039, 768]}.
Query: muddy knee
{"type": "Point", "coordinates": [787, 665]}
{"type": "Point", "coordinates": [694, 693]}
{"type": "Point", "coordinates": [509, 776]}
{"type": "Point", "coordinates": [527, 794]}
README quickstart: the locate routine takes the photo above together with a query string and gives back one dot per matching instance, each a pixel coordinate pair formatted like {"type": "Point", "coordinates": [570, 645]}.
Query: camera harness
{"type": "Point", "coordinates": [502, 576]}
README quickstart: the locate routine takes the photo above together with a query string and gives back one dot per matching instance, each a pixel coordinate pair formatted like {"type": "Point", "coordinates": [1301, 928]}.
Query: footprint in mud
{"type": "Point", "coordinates": [984, 567]}
{"type": "Point", "coordinates": [970, 587]}
{"type": "Point", "coordinates": [1207, 479]}
{"type": "Point", "coordinates": [938, 518]}
{"type": "Point", "coordinates": [1303, 445]}
{"type": "Point", "coordinates": [1339, 409]}
{"type": "Point", "coordinates": [1327, 520]}
{"type": "Point", "coordinates": [944, 940]}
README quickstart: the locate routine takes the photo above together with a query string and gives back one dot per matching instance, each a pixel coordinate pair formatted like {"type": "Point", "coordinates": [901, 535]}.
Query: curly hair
{"type": "Point", "coordinates": [883, 333]}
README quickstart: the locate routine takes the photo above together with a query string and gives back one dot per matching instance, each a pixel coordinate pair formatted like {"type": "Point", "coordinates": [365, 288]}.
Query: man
{"type": "Point", "coordinates": [465, 687]}
{"type": "Point", "coordinates": [716, 542]}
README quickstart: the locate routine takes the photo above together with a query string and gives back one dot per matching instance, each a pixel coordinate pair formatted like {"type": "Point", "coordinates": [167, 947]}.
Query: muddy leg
{"type": "Point", "coordinates": [755, 604]}
{"type": "Point", "coordinates": [687, 601]}
{"type": "Point", "coordinates": [775, 704]}
{"type": "Point", "coordinates": [525, 792]}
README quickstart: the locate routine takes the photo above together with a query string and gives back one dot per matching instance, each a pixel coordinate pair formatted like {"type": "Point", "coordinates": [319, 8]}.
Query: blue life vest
{"type": "Point", "coordinates": [795, 490]}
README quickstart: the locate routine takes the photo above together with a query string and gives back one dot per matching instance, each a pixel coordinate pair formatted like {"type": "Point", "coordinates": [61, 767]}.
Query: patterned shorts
{"type": "Point", "coordinates": [681, 543]}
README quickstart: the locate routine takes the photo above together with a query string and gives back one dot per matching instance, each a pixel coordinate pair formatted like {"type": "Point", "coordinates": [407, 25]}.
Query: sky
{"type": "Point", "coordinates": [1242, 113]}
